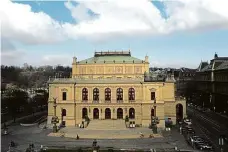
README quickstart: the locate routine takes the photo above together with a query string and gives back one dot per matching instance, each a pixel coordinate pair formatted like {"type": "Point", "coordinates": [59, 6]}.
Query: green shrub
{"type": "Point", "coordinates": [126, 118]}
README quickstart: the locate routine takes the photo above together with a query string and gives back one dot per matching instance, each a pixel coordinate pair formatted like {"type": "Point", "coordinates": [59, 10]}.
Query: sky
{"type": "Point", "coordinates": [179, 33]}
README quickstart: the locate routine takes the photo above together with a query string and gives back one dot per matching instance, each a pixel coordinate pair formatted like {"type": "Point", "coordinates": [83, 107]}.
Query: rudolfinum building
{"type": "Point", "coordinates": [113, 85]}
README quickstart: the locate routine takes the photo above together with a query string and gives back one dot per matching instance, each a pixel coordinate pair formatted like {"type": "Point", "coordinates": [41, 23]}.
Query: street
{"type": "Point", "coordinates": [209, 125]}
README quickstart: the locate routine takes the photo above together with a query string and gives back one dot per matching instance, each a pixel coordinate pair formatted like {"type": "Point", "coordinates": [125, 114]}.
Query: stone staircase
{"type": "Point", "coordinates": [106, 125]}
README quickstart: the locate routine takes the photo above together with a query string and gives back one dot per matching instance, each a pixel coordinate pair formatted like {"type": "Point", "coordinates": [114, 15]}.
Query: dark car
{"type": "Point", "coordinates": [188, 130]}
{"type": "Point", "coordinates": [196, 139]}
{"type": "Point", "coordinates": [203, 146]}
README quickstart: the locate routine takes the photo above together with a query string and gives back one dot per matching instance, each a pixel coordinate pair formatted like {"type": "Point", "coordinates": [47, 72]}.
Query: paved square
{"type": "Point", "coordinates": [25, 135]}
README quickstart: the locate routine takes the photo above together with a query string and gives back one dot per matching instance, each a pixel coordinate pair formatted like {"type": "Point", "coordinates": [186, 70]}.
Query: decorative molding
{"type": "Point", "coordinates": [119, 69]}
{"type": "Point", "coordinates": [64, 89]}
{"type": "Point", "coordinates": [138, 69]}
{"type": "Point", "coordinates": [128, 69]}
{"type": "Point", "coordinates": [109, 69]}
{"type": "Point", "coordinates": [153, 90]}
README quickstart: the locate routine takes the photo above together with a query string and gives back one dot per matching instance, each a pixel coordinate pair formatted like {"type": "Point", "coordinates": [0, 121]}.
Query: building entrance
{"type": "Point", "coordinates": [95, 113]}
{"type": "Point", "coordinates": [119, 113]}
{"type": "Point", "coordinates": [107, 113]}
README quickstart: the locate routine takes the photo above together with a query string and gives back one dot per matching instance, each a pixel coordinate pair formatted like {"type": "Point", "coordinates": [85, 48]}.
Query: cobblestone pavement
{"type": "Point", "coordinates": [25, 135]}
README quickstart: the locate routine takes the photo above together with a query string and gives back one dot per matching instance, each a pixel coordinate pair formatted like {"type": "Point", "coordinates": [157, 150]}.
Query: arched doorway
{"type": "Point", "coordinates": [119, 113]}
{"type": "Point", "coordinates": [107, 113]}
{"type": "Point", "coordinates": [84, 113]}
{"type": "Point", "coordinates": [132, 113]}
{"type": "Point", "coordinates": [179, 112]}
{"type": "Point", "coordinates": [63, 114]}
{"type": "Point", "coordinates": [152, 113]}
{"type": "Point", "coordinates": [95, 113]}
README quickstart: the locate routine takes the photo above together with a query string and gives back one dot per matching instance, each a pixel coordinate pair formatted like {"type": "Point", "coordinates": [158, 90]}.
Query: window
{"type": "Point", "coordinates": [107, 94]}
{"type": "Point", "coordinates": [63, 112]}
{"type": "Point", "coordinates": [132, 113]}
{"type": "Point", "coordinates": [152, 95]}
{"type": "Point", "coordinates": [131, 94]}
{"type": "Point", "coordinates": [64, 95]}
{"type": "Point", "coordinates": [119, 94]}
{"type": "Point", "coordinates": [84, 113]}
{"type": "Point", "coordinates": [95, 94]}
{"type": "Point", "coordinates": [85, 94]}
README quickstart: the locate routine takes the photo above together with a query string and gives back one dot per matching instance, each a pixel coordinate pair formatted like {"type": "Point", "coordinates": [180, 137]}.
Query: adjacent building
{"type": "Point", "coordinates": [185, 81]}
{"type": "Point", "coordinates": [211, 84]}
{"type": "Point", "coordinates": [113, 85]}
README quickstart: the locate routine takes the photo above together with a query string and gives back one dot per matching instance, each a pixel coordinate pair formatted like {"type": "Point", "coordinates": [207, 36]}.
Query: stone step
{"type": "Point", "coordinates": [106, 125]}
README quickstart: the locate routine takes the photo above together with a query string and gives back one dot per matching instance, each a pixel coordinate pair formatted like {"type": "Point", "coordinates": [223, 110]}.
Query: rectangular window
{"type": "Point", "coordinates": [64, 96]}
{"type": "Point", "coordinates": [152, 95]}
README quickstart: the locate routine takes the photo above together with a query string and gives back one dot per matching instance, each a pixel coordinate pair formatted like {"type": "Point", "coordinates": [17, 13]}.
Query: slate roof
{"type": "Point", "coordinates": [206, 68]}
{"type": "Point", "coordinates": [202, 66]}
{"type": "Point", "coordinates": [223, 66]}
{"type": "Point", "coordinates": [111, 57]}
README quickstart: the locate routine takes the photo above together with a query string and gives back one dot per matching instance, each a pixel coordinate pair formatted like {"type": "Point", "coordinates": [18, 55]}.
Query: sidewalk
{"type": "Point", "coordinates": [222, 115]}
{"type": "Point", "coordinates": [24, 117]}
{"type": "Point", "coordinates": [176, 139]}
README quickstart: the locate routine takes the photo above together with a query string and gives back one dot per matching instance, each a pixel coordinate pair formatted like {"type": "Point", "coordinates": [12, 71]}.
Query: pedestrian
{"type": "Point", "coordinates": [94, 143]}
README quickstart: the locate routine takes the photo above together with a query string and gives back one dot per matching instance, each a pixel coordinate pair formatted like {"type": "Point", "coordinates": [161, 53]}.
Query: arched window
{"type": "Point", "coordinates": [63, 112]}
{"type": "Point", "coordinates": [95, 94]}
{"type": "Point", "coordinates": [119, 94]}
{"type": "Point", "coordinates": [107, 94]}
{"type": "Point", "coordinates": [85, 94]}
{"type": "Point", "coordinates": [84, 113]}
{"type": "Point", "coordinates": [132, 113]}
{"type": "Point", "coordinates": [131, 94]}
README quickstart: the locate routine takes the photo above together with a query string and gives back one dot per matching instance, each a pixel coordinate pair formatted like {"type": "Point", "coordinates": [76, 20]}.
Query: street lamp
{"type": "Point", "coordinates": [55, 119]}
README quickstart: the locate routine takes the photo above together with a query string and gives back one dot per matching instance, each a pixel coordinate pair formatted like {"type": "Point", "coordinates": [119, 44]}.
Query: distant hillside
{"type": "Point", "coordinates": [31, 77]}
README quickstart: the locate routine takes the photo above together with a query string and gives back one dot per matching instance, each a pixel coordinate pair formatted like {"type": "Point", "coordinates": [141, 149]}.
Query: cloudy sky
{"type": "Point", "coordinates": [172, 33]}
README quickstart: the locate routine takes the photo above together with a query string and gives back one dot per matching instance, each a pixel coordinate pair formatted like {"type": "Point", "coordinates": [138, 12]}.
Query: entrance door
{"type": "Point", "coordinates": [119, 113]}
{"type": "Point", "coordinates": [107, 113]}
{"type": "Point", "coordinates": [95, 113]}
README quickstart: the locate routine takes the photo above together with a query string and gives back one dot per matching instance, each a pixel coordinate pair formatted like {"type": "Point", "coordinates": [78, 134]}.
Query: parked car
{"type": "Point", "coordinates": [203, 146]}
{"type": "Point", "coordinates": [192, 138]}
{"type": "Point", "coordinates": [196, 139]}
{"type": "Point", "coordinates": [187, 130]}
{"type": "Point", "coordinates": [187, 121]}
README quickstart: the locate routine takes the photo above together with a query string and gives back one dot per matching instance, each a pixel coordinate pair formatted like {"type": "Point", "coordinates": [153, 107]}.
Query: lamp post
{"type": "Point", "coordinates": [55, 119]}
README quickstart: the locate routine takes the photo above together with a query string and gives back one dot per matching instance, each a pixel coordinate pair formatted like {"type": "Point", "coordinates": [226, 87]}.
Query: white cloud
{"type": "Point", "coordinates": [10, 55]}
{"type": "Point", "coordinates": [115, 19]}
{"type": "Point", "coordinates": [141, 17]}
{"type": "Point", "coordinates": [14, 57]}
{"type": "Point", "coordinates": [18, 22]}
{"type": "Point", "coordinates": [61, 59]}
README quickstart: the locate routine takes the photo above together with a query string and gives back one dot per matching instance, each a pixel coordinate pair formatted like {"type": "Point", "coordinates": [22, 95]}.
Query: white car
{"type": "Point", "coordinates": [187, 121]}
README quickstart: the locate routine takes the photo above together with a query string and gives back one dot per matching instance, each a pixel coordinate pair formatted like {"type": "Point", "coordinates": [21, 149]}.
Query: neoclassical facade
{"type": "Point", "coordinates": [111, 85]}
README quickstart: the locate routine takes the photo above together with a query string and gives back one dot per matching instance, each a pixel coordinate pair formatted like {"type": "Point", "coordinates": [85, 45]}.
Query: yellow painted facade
{"type": "Point", "coordinates": [103, 72]}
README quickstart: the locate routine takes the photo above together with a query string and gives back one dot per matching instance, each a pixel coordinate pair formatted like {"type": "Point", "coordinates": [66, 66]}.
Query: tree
{"type": "Point", "coordinates": [14, 99]}
{"type": "Point", "coordinates": [41, 97]}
